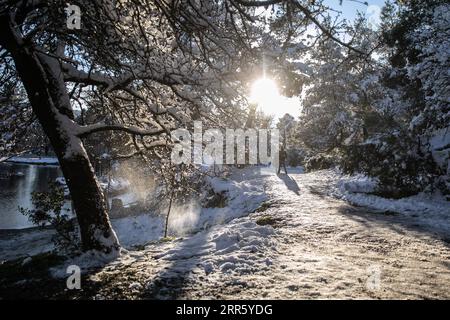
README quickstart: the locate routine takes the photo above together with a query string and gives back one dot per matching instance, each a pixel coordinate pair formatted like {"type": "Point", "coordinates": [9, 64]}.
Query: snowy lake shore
{"type": "Point", "coordinates": [34, 160]}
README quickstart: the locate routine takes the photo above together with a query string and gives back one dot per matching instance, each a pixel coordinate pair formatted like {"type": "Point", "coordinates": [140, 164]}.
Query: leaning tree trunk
{"type": "Point", "coordinates": [45, 87]}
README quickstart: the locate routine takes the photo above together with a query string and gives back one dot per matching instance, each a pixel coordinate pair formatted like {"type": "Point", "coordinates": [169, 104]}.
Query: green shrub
{"type": "Point", "coordinates": [49, 210]}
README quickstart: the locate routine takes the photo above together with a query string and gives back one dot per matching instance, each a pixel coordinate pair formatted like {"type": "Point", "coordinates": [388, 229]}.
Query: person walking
{"type": "Point", "coordinates": [282, 159]}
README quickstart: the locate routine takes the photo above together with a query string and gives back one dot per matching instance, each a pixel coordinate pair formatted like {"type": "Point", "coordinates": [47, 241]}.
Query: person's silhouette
{"type": "Point", "coordinates": [282, 159]}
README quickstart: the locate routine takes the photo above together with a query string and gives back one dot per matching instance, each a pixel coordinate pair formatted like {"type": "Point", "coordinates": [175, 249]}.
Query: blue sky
{"type": "Point", "coordinates": [350, 8]}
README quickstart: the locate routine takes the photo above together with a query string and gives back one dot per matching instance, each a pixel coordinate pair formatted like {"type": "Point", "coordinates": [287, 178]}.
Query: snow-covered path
{"type": "Point", "coordinates": [331, 249]}
{"type": "Point", "coordinates": [300, 244]}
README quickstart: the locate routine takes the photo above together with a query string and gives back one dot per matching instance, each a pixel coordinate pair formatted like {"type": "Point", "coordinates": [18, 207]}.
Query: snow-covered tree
{"type": "Point", "coordinates": [413, 154]}
{"type": "Point", "coordinates": [141, 68]}
{"type": "Point", "coordinates": [408, 103]}
{"type": "Point", "coordinates": [337, 104]}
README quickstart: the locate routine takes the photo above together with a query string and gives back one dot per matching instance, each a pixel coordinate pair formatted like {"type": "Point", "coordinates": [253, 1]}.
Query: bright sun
{"type": "Point", "coordinates": [266, 95]}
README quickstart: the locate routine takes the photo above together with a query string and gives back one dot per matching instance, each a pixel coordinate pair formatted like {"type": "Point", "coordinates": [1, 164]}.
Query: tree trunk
{"type": "Point", "coordinates": [168, 214]}
{"type": "Point", "coordinates": [45, 87]}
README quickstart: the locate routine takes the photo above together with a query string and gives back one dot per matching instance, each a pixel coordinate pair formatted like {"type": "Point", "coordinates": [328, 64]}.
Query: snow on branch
{"type": "Point", "coordinates": [112, 83]}
{"type": "Point", "coordinates": [308, 14]}
{"type": "Point", "coordinates": [99, 127]}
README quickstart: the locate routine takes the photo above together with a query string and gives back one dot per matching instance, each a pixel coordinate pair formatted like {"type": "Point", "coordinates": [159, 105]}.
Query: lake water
{"type": "Point", "coordinates": [17, 182]}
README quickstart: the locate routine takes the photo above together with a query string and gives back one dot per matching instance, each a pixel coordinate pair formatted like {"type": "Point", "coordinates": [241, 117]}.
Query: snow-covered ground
{"type": "Point", "coordinates": [301, 242]}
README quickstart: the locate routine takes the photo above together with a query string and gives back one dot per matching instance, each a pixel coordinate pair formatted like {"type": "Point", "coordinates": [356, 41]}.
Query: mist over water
{"type": "Point", "coordinates": [144, 188]}
{"type": "Point", "coordinates": [183, 219]}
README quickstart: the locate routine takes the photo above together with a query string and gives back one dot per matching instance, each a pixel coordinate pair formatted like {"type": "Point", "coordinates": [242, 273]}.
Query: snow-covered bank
{"type": "Point", "coordinates": [356, 189]}
{"type": "Point", "coordinates": [244, 190]}
{"type": "Point", "coordinates": [244, 195]}
{"type": "Point", "coordinates": [219, 238]}
{"type": "Point", "coordinates": [22, 243]}
{"type": "Point", "coordinates": [34, 160]}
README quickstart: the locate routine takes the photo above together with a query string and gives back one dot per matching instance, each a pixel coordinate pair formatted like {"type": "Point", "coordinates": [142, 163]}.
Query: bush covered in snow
{"type": "Point", "coordinates": [402, 167]}
{"type": "Point", "coordinates": [319, 161]}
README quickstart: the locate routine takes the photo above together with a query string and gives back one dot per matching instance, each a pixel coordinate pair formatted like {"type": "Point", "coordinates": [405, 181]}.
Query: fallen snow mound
{"type": "Point", "coordinates": [227, 248]}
